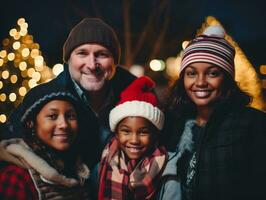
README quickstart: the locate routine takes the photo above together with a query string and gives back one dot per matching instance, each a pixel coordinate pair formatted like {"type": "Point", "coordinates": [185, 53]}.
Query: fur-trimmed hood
{"type": "Point", "coordinates": [185, 144]}
{"type": "Point", "coordinates": [18, 152]}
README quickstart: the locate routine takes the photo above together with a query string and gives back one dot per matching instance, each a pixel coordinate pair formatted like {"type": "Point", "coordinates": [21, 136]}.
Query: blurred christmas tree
{"type": "Point", "coordinates": [21, 67]}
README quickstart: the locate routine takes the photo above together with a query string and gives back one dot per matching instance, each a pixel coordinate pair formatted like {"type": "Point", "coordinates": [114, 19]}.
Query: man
{"type": "Point", "coordinates": [91, 54]}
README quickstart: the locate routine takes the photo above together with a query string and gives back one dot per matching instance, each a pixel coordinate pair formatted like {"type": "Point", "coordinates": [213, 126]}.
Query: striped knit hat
{"type": "Point", "coordinates": [138, 100]}
{"type": "Point", "coordinates": [211, 47]}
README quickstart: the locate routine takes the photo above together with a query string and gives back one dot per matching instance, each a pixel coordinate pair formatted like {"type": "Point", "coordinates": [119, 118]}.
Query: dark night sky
{"type": "Point", "coordinates": [50, 21]}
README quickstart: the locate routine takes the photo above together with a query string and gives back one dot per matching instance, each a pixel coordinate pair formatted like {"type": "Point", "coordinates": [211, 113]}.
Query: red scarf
{"type": "Point", "coordinates": [124, 180]}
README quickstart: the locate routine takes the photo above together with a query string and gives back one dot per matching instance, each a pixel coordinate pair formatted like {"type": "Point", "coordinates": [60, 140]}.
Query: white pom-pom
{"type": "Point", "coordinates": [215, 30]}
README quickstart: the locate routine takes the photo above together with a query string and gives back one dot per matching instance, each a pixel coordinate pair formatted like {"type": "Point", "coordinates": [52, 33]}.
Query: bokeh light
{"type": "Point", "coordinates": [3, 118]}
{"type": "Point", "coordinates": [57, 69]}
{"type": "Point", "coordinates": [157, 65]}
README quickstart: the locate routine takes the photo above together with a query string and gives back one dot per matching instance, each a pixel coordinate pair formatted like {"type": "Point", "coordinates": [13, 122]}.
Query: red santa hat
{"type": "Point", "coordinates": [138, 100]}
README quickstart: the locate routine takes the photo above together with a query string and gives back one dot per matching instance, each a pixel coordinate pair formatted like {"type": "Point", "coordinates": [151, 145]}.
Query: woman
{"type": "Point", "coordinates": [216, 140]}
{"type": "Point", "coordinates": [54, 168]}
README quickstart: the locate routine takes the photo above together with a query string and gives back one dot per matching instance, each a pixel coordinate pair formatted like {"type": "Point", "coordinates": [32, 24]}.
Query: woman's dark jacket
{"type": "Point", "coordinates": [231, 153]}
{"type": "Point", "coordinates": [89, 137]}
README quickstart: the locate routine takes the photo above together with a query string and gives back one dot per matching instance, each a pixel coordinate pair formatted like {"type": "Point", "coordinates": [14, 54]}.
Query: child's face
{"type": "Point", "coordinates": [135, 136]}
{"type": "Point", "coordinates": [56, 124]}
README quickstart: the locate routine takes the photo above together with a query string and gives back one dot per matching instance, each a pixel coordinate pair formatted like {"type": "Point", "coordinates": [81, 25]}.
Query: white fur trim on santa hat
{"type": "Point", "coordinates": [136, 109]}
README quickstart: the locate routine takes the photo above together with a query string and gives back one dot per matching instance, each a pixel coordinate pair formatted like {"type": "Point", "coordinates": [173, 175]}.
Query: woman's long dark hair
{"type": "Point", "coordinates": [179, 101]}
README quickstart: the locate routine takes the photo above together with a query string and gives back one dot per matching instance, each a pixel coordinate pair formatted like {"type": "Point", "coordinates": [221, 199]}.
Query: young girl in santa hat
{"type": "Point", "coordinates": [216, 141]}
{"type": "Point", "coordinates": [53, 168]}
{"type": "Point", "coordinates": [132, 162]}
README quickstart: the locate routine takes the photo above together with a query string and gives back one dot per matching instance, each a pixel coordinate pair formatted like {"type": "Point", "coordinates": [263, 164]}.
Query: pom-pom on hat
{"type": "Point", "coordinates": [210, 47]}
{"type": "Point", "coordinates": [92, 30]}
{"type": "Point", "coordinates": [38, 96]}
{"type": "Point", "coordinates": [138, 100]}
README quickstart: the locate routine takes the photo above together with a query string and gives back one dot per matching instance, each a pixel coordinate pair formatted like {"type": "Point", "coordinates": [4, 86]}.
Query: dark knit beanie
{"type": "Point", "coordinates": [92, 30]}
{"type": "Point", "coordinates": [38, 96]}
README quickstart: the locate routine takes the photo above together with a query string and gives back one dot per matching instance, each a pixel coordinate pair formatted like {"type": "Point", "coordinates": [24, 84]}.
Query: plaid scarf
{"type": "Point", "coordinates": [129, 180]}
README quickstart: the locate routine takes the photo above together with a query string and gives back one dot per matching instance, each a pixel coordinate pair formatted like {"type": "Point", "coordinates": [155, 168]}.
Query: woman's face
{"type": "Point", "coordinates": [135, 136]}
{"type": "Point", "coordinates": [203, 83]}
{"type": "Point", "coordinates": [56, 124]}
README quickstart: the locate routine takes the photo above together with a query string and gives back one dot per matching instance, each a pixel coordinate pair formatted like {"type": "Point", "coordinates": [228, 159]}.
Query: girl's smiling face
{"type": "Point", "coordinates": [57, 125]}
{"type": "Point", "coordinates": [135, 136]}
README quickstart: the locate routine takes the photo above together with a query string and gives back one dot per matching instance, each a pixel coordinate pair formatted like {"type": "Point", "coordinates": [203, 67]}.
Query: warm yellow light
{"type": "Point", "coordinates": [32, 83]}
{"type": "Point", "coordinates": [263, 69]}
{"type": "Point", "coordinates": [13, 79]}
{"type": "Point", "coordinates": [13, 32]}
{"type": "Point", "coordinates": [1, 62]}
{"type": "Point", "coordinates": [264, 83]}
{"type": "Point", "coordinates": [36, 76]}
{"type": "Point", "coordinates": [24, 73]}
{"type": "Point", "coordinates": [1, 84]}
{"type": "Point", "coordinates": [2, 97]}
{"type": "Point", "coordinates": [184, 44]}
{"type": "Point", "coordinates": [22, 91]}
{"type": "Point", "coordinates": [30, 72]}
{"type": "Point", "coordinates": [17, 60]}
{"type": "Point", "coordinates": [25, 83]}
{"type": "Point", "coordinates": [12, 97]}
{"type": "Point", "coordinates": [137, 70]}
{"type": "Point", "coordinates": [39, 68]}
{"type": "Point", "coordinates": [24, 25]}
{"type": "Point", "coordinates": [57, 69]}
{"type": "Point", "coordinates": [5, 74]}
{"type": "Point", "coordinates": [47, 80]}
{"type": "Point", "coordinates": [21, 21]}
{"type": "Point", "coordinates": [34, 53]}
{"type": "Point", "coordinates": [11, 56]}
{"type": "Point", "coordinates": [23, 32]}
{"type": "Point", "coordinates": [35, 46]}
{"type": "Point", "coordinates": [28, 39]}
{"type": "Point", "coordinates": [16, 36]}
{"type": "Point", "coordinates": [16, 45]}
{"type": "Point", "coordinates": [25, 52]}
{"type": "Point", "coordinates": [3, 53]}
{"type": "Point", "coordinates": [157, 65]}
{"type": "Point", "coordinates": [172, 66]}
{"type": "Point", "coordinates": [22, 66]}
{"type": "Point", "coordinates": [6, 42]}
{"type": "Point", "coordinates": [2, 118]}
{"type": "Point", "coordinates": [38, 61]}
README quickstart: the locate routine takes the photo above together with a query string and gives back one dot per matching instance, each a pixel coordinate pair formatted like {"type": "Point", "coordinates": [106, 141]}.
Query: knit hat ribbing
{"type": "Point", "coordinates": [92, 30]}
{"type": "Point", "coordinates": [138, 100]}
{"type": "Point", "coordinates": [38, 96]}
{"type": "Point", "coordinates": [211, 47]}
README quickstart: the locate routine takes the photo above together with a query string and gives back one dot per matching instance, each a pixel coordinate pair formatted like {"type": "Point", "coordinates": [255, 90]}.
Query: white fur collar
{"type": "Point", "coordinates": [186, 140]}
{"type": "Point", "coordinates": [19, 149]}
